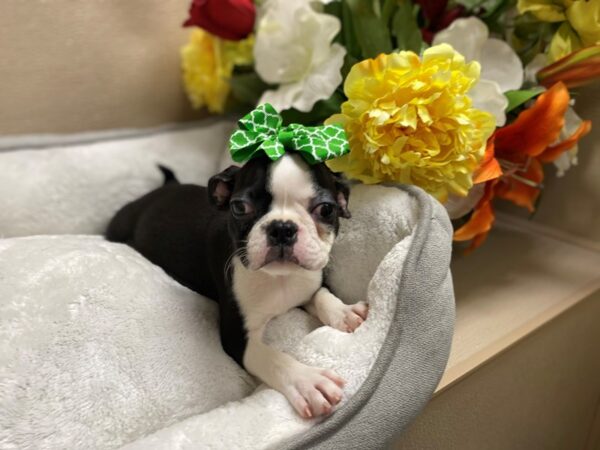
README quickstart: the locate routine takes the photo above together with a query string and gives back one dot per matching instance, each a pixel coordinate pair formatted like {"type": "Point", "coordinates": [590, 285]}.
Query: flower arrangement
{"type": "Point", "coordinates": [468, 100]}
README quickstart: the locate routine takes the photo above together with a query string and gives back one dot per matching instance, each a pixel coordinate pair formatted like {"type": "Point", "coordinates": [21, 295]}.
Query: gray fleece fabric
{"type": "Point", "coordinates": [99, 348]}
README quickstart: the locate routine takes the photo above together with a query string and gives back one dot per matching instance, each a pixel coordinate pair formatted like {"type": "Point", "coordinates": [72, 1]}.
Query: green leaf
{"type": "Point", "coordinates": [517, 98]}
{"type": "Point", "coordinates": [372, 34]}
{"type": "Point", "coordinates": [321, 111]}
{"type": "Point", "coordinates": [348, 33]}
{"type": "Point", "coordinates": [481, 5]}
{"type": "Point", "coordinates": [405, 28]}
{"type": "Point", "coordinates": [493, 7]}
{"type": "Point", "coordinates": [247, 88]}
{"type": "Point", "coordinates": [388, 9]}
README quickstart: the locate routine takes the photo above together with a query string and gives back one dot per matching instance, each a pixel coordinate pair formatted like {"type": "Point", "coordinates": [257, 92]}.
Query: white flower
{"type": "Point", "coordinates": [501, 68]}
{"type": "Point", "coordinates": [568, 158]}
{"type": "Point", "coordinates": [293, 49]}
{"type": "Point", "coordinates": [460, 206]}
{"type": "Point", "coordinates": [538, 62]}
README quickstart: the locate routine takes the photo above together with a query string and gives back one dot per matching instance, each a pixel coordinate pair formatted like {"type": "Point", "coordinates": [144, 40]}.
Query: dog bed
{"type": "Point", "coordinates": [101, 349]}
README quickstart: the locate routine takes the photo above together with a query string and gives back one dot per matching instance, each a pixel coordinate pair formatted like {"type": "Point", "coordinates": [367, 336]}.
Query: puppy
{"type": "Point", "coordinates": [256, 240]}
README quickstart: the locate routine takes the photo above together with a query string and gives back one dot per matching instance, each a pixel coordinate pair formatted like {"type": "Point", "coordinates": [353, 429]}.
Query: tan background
{"type": "Point", "coordinates": [73, 65]}
{"type": "Point", "coordinates": [523, 399]}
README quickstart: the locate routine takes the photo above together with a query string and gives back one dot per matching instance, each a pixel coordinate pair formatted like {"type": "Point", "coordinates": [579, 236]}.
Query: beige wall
{"type": "Point", "coordinates": [74, 65]}
{"type": "Point", "coordinates": [542, 394]}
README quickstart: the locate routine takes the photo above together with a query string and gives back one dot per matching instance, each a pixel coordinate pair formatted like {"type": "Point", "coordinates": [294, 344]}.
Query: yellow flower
{"type": "Point", "coordinates": [410, 120]}
{"type": "Point", "coordinates": [545, 10]}
{"type": "Point", "coordinates": [207, 63]}
{"type": "Point", "coordinates": [564, 42]}
{"type": "Point", "coordinates": [584, 17]}
{"type": "Point", "coordinates": [580, 27]}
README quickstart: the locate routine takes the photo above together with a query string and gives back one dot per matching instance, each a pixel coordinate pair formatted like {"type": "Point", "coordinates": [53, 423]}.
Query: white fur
{"type": "Point", "coordinates": [292, 188]}
{"type": "Point", "coordinates": [333, 312]}
{"type": "Point", "coordinates": [276, 288]}
{"type": "Point", "coordinates": [262, 296]}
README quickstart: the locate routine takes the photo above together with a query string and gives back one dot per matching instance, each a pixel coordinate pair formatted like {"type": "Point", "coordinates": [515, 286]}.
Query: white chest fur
{"type": "Point", "coordinates": [263, 295]}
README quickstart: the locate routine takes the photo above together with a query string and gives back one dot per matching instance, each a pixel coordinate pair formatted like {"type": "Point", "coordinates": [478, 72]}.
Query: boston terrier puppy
{"type": "Point", "coordinates": [256, 240]}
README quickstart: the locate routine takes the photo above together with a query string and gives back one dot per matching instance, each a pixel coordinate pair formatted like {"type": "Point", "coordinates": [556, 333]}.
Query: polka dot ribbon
{"type": "Point", "coordinates": [261, 131]}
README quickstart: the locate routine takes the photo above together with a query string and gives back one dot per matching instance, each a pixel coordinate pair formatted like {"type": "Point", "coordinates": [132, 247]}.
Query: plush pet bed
{"type": "Point", "coordinates": [99, 348]}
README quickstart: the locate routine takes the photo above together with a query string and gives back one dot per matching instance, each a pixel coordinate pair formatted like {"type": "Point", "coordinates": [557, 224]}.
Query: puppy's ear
{"type": "Point", "coordinates": [220, 187]}
{"type": "Point", "coordinates": [342, 188]}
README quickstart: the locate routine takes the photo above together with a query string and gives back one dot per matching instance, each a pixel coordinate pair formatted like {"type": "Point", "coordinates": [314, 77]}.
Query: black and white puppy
{"type": "Point", "coordinates": [256, 240]}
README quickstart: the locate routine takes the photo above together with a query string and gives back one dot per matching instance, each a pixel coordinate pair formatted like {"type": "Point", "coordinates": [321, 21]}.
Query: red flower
{"type": "Point", "coordinates": [437, 17]}
{"type": "Point", "coordinates": [228, 19]}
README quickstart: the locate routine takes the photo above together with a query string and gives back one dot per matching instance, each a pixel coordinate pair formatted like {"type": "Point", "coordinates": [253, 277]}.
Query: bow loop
{"type": "Point", "coordinates": [261, 131]}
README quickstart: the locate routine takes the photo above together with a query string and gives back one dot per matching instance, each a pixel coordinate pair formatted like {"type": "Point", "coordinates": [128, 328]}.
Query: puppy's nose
{"type": "Point", "coordinates": [282, 233]}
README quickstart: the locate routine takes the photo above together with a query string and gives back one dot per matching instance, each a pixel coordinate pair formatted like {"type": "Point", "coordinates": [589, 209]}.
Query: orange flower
{"type": "Point", "coordinates": [537, 127]}
{"type": "Point", "coordinates": [576, 69]}
{"type": "Point", "coordinates": [489, 167]}
{"type": "Point", "coordinates": [520, 149]}
{"type": "Point", "coordinates": [481, 221]}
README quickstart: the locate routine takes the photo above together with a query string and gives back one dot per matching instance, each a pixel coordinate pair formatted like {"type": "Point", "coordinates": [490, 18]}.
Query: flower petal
{"type": "Point", "coordinates": [539, 62]}
{"type": "Point", "coordinates": [457, 206]}
{"type": "Point", "coordinates": [547, 11]}
{"type": "Point", "coordinates": [456, 34]}
{"type": "Point", "coordinates": [554, 151]}
{"type": "Point", "coordinates": [318, 85]}
{"type": "Point", "coordinates": [500, 63]}
{"type": "Point", "coordinates": [291, 40]}
{"type": "Point", "coordinates": [482, 218]}
{"type": "Point", "coordinates": [537, 127]}
{"type": "Point", "coordinates": [564, 42]}
{"type": "Point", "coordinates": [575, 69]}
{"type": "Point", "coordinates": [523, 188]}
{"type": "Point", "coordinates": [488, 96]}
{"type": "Point", "coordinates": [584, 17]}
{"type": "Point", "coordinates": [489, 167]}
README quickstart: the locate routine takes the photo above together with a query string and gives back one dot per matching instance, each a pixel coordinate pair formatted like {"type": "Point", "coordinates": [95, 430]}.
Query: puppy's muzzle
{"type": "Point", "coordinates": [282, 234]}
{"type": "Point", "coordinates": [281, 237]}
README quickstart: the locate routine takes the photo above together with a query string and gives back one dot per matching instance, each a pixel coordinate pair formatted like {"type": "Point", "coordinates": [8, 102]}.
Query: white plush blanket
{"type": "Point", "coordinates": [99, 348]}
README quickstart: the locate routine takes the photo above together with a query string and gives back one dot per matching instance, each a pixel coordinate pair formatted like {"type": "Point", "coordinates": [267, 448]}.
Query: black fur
{"type": "Point", "coordinates": [189, 232]}
{"type": "Point", "coordinates": [168, 175]}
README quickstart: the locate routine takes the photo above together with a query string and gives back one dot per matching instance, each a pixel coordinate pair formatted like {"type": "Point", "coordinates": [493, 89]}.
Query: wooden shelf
{"type": "Point", "coordinates": [524, 276]}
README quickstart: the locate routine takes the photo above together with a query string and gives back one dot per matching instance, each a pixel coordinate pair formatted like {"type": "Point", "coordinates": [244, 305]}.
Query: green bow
{"type": "Point", "coordinates": [261, 130]}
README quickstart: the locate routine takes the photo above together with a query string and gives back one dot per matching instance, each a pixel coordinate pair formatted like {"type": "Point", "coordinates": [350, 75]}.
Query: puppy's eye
{"type": "Point", "coordinates": [240, 208]}
{"type": "Point", "coordinates": [324, 211]}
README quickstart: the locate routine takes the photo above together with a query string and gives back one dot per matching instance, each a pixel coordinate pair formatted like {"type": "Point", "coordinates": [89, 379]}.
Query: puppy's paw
{"type": "Point", "coordinates": [312, 391]}
{"type": "Point", "coordinates": [348, 317]}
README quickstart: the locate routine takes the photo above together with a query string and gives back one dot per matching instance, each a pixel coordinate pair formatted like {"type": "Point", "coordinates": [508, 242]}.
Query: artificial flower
{"type": "Point", "coordinates": [584, 17]}
{"type": "Point", "coordinates": [489, 169]}
{"type": "Point", "coordinates": [227, 19]}
{"type": "Point", "coordinates": [533, 67]}
{"type": "Point", "coordinates": [501, 68]}
{"type": "Point", "coordinates": [207, 63]}
{"type": "Point", "coordinates": [294, 50]}
{"type": "Point", "coordinates": [410, 120]}
{"type": "Point", "coordinates": [580, 25]}
{"type": "Point", "coordinates": [576, 69]}
{"type": "Point", "coordinates": [544, 10]}
{"type": "Point", "coordinates": [563, 153]}
{"type": "Point", "coordinates": [535, 137]}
